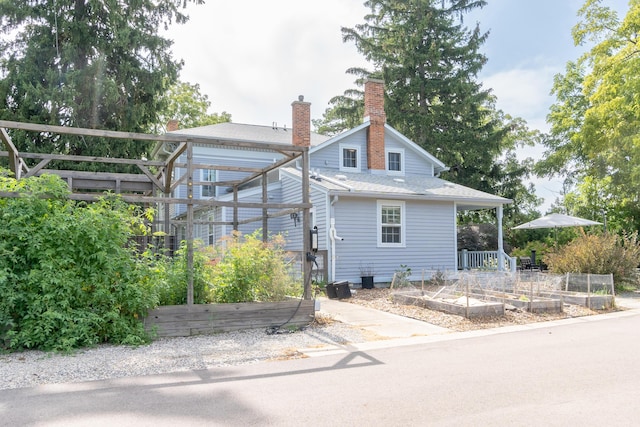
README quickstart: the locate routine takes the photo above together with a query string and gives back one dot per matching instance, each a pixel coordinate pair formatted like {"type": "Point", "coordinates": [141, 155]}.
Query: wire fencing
{"type": "Point", "coordinates": [531, 291]}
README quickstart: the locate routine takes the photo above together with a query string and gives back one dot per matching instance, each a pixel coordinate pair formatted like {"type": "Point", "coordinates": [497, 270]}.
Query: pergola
{"type": "Point", "coordinates": [156, 182]}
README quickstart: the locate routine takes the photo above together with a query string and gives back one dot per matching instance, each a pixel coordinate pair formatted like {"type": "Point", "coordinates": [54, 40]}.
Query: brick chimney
{"type": "Point", "coordinates": [172, 125]}
{"type": "Point", "coordinates": [301, 127]}
{"type": "Point", "coordinates": [374, 111]}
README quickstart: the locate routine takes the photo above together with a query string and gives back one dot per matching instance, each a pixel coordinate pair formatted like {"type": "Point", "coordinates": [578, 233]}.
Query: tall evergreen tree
{"type": "Point", "coordinates": [85, 63]}
{"type": "Point", "coordinates": [429, 60]}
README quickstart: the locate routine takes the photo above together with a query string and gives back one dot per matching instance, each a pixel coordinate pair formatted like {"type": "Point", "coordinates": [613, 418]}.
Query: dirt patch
{"type": "Point", "coordinates": [380, 299]}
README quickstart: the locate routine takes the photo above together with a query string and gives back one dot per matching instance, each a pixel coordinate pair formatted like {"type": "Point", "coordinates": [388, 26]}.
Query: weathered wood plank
{"type": "Point", "coordinates": [184, 320]}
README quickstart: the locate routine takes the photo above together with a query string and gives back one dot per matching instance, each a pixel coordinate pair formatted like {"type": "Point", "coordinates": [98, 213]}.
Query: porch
{"type": "Point", "coordinates": [485, 260]}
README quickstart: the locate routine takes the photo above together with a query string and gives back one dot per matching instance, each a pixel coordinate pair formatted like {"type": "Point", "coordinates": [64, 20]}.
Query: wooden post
{"type": "Point", "coordinates": [466, 310]}
{"type": "Point", "coordinates": [589, 290]}
{"type": "Point", "coordinates": [306, 224]}
{"type": "Point", "coordinates": [189, 223]}
{"type": "Point", "coordinates": [167, 224]}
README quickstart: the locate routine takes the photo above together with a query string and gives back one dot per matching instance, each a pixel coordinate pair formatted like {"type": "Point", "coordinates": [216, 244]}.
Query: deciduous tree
{"type": "Point", "coordinates": [595, 134]}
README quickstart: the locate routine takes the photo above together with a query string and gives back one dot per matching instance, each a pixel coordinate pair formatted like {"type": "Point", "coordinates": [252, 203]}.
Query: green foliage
{"type": "Point", "coordinates": [90, 64]}
{"type": "Point", "coordinates": [169, 277]}
{"type": "Point", "coordinates": [595, 123]}
{"type": "Point", "coordinates": [250, 270]}
{"type": "Point", "coordinates": [540, 247]}
{"type": "Point", "coordinates": [66, 275]}
{"type": "Point", "coordinates": [186, 104]}
{"type": "Point", "coordinates": [402, 275]}
{"type": "Point", "coordinates": [597, 254]}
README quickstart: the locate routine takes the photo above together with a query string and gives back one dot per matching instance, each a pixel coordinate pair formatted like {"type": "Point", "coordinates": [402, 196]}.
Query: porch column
{"type": "Point", "coordinates": [500, 243]}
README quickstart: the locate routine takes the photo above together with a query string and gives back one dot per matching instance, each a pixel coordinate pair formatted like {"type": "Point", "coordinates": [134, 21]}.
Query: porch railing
{"type": "Point", "coordinates": [484, 260]}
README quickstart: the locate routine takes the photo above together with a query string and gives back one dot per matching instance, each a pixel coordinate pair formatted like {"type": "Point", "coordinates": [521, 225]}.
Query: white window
{"type": "Point", "coordinates": [208, 175]}
{"type": "Point", "coordinates": [391, 230]}
{"type": "Point", "coordinates": [349, 157]}
{"type": "Point", "coordinates": [395, 161]}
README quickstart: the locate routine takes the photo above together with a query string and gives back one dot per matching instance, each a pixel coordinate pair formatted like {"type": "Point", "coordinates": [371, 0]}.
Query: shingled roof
{"type": "Point", "coordinates": [407, 187]}
{"type": "Point", "coordinates": [252, 133]}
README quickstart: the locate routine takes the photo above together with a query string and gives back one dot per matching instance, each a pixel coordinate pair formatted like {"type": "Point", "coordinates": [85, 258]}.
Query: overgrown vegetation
{"type": "Point", "coordinates": [69, 279]}
{"type": "Point", "coordinates": [247, 269]}
{"type": "Point", "coordinates": [597, 254]}
{"type": "Point", "coordinates": [169, 276]}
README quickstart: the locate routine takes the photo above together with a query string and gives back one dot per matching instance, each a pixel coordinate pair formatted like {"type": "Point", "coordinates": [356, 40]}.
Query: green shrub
{"type": "Point", "coordinates": [169, 277]}
{"type": "Point", "coordinates": [67, 278]}
{"type": "Point", "coordinates": [249, 270]}
{"type": "Point", "coordinates": [597, 254]}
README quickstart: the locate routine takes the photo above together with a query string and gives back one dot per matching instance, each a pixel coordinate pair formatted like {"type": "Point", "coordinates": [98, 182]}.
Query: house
{"type": "Point", "coordinates": [377, 197]}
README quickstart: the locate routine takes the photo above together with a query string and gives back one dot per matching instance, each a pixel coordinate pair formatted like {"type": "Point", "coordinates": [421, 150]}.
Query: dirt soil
{"type": "Point", "coordinates": [380, 299]}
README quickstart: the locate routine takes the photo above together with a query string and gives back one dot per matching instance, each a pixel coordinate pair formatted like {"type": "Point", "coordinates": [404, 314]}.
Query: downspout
{"type": "Point", "coordinates": [333, 235]}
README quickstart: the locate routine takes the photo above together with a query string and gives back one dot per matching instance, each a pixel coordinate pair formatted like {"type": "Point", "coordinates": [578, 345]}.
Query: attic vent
{"type": "Point", "coordinates": [341, 177]}
{"type": "Point", "coordinates": [398, 179]}
{"type": "Point", "coordinates": [449, 185]}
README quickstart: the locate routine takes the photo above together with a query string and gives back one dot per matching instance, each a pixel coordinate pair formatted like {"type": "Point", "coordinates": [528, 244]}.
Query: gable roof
{"type": "Point", "coordinates": [244, 132]}
{"type": "Point", "coordinates": [404, 188]}
{"type": "Point", "coordinates": [438, 166]}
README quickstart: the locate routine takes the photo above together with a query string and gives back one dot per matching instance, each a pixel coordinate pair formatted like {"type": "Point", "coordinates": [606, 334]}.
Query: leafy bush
{"type": "Point", "coordinates": [67, 278]}
{"type": "Point", "coordinates": [250, 270]}
{"type": "Point", "coordinates": [597, 254]}
{"type": "Point", "coordinates": [169, 277]}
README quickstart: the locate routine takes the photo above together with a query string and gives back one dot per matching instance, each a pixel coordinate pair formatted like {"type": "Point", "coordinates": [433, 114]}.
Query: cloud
{"type": "Point", "coordinates": [524, 92]}
{"type": "Point", "coordinates": [253, 58]}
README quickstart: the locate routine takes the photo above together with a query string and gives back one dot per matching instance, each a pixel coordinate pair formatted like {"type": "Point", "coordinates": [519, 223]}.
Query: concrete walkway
{"type": "Point", "coordinates": [386, 325]}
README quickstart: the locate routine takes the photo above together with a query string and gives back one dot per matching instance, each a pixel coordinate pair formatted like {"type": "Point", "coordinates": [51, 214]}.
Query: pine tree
{"type": "Point", "coordinates": [89, 64]}
{"type": "Point", "coordinates": [429, 61]}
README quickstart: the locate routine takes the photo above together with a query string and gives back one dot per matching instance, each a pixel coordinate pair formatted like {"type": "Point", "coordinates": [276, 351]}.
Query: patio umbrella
{"type": "Point", "coordinates": [556, 221]}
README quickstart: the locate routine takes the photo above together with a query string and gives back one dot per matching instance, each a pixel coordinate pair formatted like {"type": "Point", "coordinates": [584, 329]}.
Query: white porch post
{"type": "Point", "coordinates": [500, 244]}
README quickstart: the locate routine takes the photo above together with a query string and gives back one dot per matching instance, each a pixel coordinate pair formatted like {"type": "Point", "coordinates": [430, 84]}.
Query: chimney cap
{"type": "Point", "coordinates": [300, 98]}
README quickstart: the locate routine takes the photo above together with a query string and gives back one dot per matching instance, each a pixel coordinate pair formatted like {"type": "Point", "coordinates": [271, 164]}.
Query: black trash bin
{"type": "Point", "coordinates": [342, 289]}
{"type": "Point", "coordinates": [331, 291]}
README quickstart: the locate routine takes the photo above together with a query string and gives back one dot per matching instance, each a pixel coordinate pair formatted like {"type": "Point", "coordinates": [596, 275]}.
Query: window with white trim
{"type": "Point", "coordinates": [391, 231]}
{"type": "Point", "coordinates": [349, 157]}
{"type": "Point", "coordinates": [395, 161]}
{"type": "Point", "coordinates": [208, 175]}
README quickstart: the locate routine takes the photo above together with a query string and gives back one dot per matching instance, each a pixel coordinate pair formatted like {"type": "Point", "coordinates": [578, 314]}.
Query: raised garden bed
{"type": "Point", "coordinates": [593, 301]}
{"type": "Point", "coordinates": [461, 306]}
{"type": "Point", "coordinates": [197, 319]}
{"type": "Point", "coordinates": [535, 304]}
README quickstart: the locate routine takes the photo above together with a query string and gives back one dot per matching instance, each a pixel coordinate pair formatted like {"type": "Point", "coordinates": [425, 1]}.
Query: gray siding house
{"type": "Point", "coordinates": [377, 197]}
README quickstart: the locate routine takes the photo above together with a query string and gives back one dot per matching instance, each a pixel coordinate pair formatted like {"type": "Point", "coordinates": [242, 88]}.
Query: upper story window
{"type": "Point", "coordinates": [395, 161]}
{"type": "Point", "coordinates": [391, 230]}
{"type": "Point", "coordinates": [208, 175]}
{"type": "Point", "coordinates": [349, 157]}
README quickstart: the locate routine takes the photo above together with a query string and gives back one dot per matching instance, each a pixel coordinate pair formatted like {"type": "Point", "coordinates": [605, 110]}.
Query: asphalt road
{"type": "Point", "coordinates": [584, 373]}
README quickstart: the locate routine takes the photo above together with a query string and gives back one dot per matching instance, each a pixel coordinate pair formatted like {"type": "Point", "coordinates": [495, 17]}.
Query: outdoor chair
{"type": "Point", "coordinates": [527, 265]}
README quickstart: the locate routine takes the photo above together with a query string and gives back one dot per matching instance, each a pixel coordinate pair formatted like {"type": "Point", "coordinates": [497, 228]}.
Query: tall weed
{"type": "Point", "coordinates": [248, 270]}
{"type": "Point", "coordinates": [597, 254]}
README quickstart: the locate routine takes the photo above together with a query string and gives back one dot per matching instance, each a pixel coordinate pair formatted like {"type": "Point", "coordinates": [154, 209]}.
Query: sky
{"type": "Point", "coordinates": [253, 58]}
